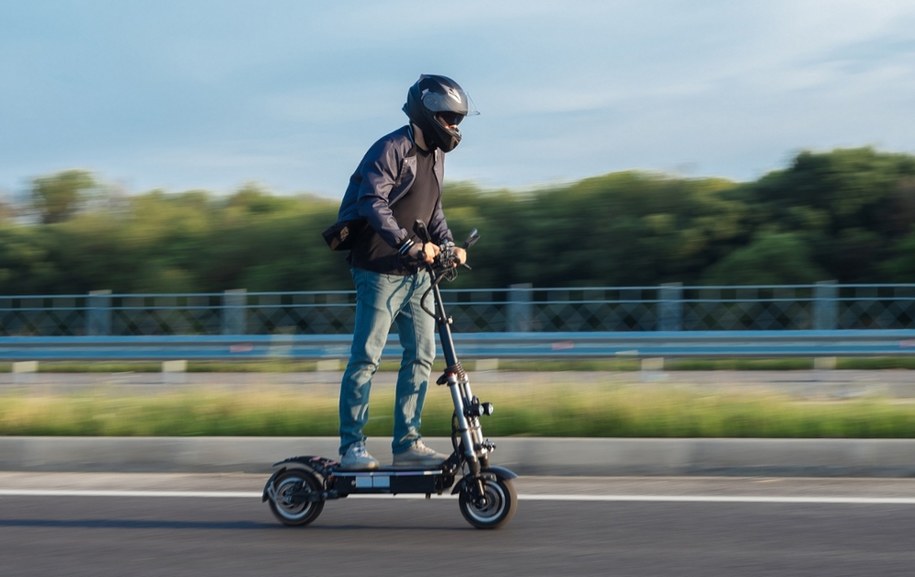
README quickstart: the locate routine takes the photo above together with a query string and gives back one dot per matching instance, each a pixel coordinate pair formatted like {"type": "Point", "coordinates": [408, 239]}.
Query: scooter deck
{"type": "Point", "coordinates": [388, 470]}
{"type": "Point", "coordinates": [391, 480]}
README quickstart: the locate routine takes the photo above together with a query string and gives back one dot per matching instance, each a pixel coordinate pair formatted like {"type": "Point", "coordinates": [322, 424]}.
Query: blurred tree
{"type": "Point", "coordinates": [57, 197]}
{"type": "Point", "coordinates": [900, 265]}
{"type": "Point", "coordinates": [26, 264]}
{"type": "Point", "coordinates": [847, 215]}
{"type": "Point", "coordinates": [94, 252]}
{"type": "Point", "coordinates": [773, 258]}
{"type": "Point", "coordinates": [897, 216]}
{"type": "Point", "coordinates": [850, 206]}
{"type": "Point", "coordinates": [629, 228]}
{"type": "Point", "coordinates": [253, 200]}
{"type": "Point", "coordinates": [500, 218]}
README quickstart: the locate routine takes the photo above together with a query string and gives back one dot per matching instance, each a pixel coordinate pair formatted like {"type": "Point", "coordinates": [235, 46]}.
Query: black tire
{"type": "Point", "coordinates": [500, 503]}
{"type": "Point", "coordinates": [283, 505]}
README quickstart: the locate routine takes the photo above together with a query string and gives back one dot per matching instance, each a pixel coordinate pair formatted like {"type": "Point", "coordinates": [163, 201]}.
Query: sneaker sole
{"type": "Point", "coordinates": [366, 467]}
{"type": "Point", "coordinates": [423, 464]}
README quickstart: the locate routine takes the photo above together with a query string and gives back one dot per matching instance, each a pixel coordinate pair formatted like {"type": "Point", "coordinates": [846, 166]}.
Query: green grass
{"type": "Point", "coordinates": [598, 410]}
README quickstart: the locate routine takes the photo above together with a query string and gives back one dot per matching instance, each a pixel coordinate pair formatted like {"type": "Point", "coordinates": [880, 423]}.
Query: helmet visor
{"type": "Point", "coordinates": [449, 118]}
{"type": "Point", "coordinates": [451, 99]}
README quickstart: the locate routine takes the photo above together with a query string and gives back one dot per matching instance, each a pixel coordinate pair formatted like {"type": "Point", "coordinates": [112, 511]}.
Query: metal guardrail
{"type": "Point", "coordinates": [553, 345]}
{"type": "Point", "coordinates": [822, 319]}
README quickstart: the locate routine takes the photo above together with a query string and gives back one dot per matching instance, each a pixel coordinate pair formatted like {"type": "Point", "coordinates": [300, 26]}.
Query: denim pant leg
{"type": "Point", "coordinates": [416, 330]}
{"type": "Point", "coordinates": [378, 298]}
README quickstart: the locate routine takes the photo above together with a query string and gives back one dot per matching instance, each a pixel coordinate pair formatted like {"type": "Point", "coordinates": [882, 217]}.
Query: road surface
{"type": "Point", "coordinates": [215, 525]}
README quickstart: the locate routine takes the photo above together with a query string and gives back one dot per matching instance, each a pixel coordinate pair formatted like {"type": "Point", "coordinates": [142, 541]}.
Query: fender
{"type": "Point", "coordinates": [498, 472]}
{"type": "Point", "coordinates": [501, 472]}
{"type": "Point", "coordinates": [319, 466]}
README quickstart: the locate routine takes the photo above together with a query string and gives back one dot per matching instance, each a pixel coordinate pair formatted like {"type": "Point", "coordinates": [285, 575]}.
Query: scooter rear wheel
{"type": "Point", "coordinates": [289, 503]}
{"type": "Point", "coordinates": [497, 507]}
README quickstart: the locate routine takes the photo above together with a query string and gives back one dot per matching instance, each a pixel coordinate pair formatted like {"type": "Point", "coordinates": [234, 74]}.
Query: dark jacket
{"type": "Point", "coordinates": [386, 173]}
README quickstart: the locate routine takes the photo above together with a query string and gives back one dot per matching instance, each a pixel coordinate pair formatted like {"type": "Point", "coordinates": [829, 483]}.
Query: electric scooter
{"type": "Point", "coordinates": [300, 486]}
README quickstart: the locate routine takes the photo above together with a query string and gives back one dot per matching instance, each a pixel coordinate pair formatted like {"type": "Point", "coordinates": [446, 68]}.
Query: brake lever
{"type": "Point", "coordinates": [471, 239]}
{"type": "Point", "coordinates": [419, 227]}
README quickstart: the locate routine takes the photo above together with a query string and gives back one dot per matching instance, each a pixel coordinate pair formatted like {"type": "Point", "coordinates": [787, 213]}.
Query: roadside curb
{"type": "Point", "coordinates": [525, 456]}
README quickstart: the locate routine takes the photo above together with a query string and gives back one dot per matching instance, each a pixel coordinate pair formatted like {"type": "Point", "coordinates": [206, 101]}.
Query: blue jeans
{"type": "Point", "coordinates": [383, 300]}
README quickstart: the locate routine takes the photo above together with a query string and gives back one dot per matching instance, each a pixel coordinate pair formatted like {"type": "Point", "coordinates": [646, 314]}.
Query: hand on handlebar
{"type": "Point", "coordinates": [423, 252]}
{"type": "Point", "coordinates": [460, 256]}
{"type": "Point", "coordinates": [448, 256]}
{"type": "Point", "coordinates": [451, 256]}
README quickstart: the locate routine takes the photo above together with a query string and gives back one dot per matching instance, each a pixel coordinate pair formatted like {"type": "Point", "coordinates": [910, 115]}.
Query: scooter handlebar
{"type": "Point", "coordinates": [446, 259]}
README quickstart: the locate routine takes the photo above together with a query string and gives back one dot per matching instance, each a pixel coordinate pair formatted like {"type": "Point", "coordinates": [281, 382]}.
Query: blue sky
{"type": "Point", "coordinates": [213, 94]}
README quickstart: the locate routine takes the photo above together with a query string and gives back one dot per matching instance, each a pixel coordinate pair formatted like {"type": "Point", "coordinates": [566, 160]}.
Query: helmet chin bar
{"type": "Point", "coordinates": [445, 137]}
{"type": "Point", "coordinates": [444, 140]}
{"type": "Point", "coordinates": [449, 144]}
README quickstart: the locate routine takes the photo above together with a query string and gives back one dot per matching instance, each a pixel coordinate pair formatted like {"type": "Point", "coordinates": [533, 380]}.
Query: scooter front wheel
{"type": "Point", "coordinates": [497, 506]}
{"type": "Point", "coordinates": [292, 500]}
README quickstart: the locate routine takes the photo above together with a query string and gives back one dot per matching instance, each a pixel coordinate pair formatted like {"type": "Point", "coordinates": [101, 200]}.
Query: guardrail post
{"type": "Point", "coordinates": [825, 317]}
{"type": "Point", "coordinates": [233, 312]}
{"type": "Point", "coordinates": [519, 318]}
{"type": "Point", "coordinates": [98, 321]}
{"type": "Point", "coordinates": [670, 307]}
{"type": "Point", "coordinates": [826, 306]}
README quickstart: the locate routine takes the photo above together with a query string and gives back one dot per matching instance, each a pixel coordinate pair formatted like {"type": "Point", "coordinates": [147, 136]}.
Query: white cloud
{"type": "Point", "coordinates": [291, 93]}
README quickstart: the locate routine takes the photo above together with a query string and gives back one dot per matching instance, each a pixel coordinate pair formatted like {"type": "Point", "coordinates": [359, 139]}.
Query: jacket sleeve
{"type": "Point", "coordinates": [379, 173]}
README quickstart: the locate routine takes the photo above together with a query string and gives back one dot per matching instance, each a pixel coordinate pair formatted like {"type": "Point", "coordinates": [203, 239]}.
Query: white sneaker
{"type": "Point", "coordinates": [419, 455]}
{"type": "Point", "coordinates": [358, 458]}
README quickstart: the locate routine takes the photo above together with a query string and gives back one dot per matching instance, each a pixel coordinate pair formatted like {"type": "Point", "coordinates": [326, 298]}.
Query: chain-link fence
{"type": "Point", "coordinates": [522, 308]}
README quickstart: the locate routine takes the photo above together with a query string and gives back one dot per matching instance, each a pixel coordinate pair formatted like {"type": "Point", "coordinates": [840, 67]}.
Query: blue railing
{"type": "Point", "coordinates": [537, 345]}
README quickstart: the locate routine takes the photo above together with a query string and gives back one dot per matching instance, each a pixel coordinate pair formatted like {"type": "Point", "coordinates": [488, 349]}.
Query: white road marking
{"type": "Point", "coordinates": [128, 494]}
{"type": "Point", "coordinates": [725, 499]}
{"type": "Point", "coordinates": [835, 500]}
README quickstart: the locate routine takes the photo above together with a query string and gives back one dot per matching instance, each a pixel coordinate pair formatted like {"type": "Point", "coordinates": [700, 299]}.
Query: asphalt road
{"type": "Point", "coordinates": [212, 525]}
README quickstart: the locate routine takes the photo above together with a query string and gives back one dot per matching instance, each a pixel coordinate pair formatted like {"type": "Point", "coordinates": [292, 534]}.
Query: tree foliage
{"type": "Point", "coordinates": [845, 215]}
{"type": "Point", "coordinates": [59, 196]}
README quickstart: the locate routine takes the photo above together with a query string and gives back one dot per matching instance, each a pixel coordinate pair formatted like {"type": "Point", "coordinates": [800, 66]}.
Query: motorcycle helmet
{"type": "Point", "coordinates": [437, 104]}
